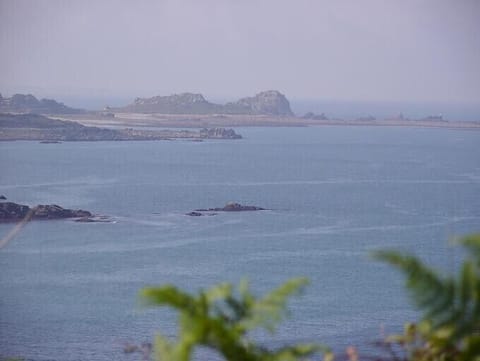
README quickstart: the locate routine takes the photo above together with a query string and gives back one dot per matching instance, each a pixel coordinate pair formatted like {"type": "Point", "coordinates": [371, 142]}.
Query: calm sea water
{"type": "Point", "coordinates": [69, 290]}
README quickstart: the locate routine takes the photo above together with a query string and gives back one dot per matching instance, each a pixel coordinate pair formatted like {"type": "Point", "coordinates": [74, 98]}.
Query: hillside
{"type": "Point", "coordinates": [27, 103]}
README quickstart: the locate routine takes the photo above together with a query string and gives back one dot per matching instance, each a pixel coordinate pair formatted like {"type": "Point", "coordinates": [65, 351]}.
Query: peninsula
{"type": "Point", "coordinates": [48, 130]}
{"type": "Point", "coordinates": [191, 110]}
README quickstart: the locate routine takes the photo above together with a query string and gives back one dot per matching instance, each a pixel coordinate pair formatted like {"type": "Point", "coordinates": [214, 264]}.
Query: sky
{"type": "Point", "coordinates": [371, 50]}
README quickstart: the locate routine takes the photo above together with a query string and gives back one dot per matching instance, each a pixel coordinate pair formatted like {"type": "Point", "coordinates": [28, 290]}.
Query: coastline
{"type": "Point", "coordinates": [156, 120]}
{"type": "Point", "coordinates": [49, 130]}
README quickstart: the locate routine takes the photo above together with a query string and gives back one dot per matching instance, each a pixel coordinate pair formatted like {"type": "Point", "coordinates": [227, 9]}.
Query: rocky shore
{"type": "Point", "coordinates": [229, 207]}
{"type": "Point", "coordinates": [14, 212]}
{"type": "Point", "coordinates": [47, 130]}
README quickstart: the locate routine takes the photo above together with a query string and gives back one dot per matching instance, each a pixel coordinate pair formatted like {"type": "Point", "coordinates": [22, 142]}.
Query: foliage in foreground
{"type": "Point", "coordinates": [220, 319]}
{"type": "Point", "coordinates": [450, 326]}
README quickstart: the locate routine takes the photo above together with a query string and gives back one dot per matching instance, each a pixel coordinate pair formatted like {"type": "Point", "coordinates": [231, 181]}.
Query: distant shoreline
{"type": "Point", "coordinates": [221, 120]}
{"type": "Point", "coordinates": [49, 130]}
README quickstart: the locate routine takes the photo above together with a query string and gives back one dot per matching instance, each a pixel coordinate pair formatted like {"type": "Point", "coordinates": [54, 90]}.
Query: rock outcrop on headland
{"type": "Point", "coordinates": [47, 130]}
{"type": "Point", "coordinates": [27, 103]}
{"type": "Point", "coordinates": [13, 212]}
{"type": "Point", "coordinates": [269, 102]}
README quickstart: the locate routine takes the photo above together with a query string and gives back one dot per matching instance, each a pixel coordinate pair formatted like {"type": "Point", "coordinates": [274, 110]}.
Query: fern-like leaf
{"type": "Point", "coordinates": [268, 311]}
{"type": "Point", "coordinates": [430, 292]}
{"type": "Point", "coordinates": [167, 296]}
{"type": "Point", "coordinates": [450, 328]}
{"type": "Point", "coordinates": [219, 319]}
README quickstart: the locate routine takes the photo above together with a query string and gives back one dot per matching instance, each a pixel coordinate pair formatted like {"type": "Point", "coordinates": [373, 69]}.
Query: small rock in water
{"type": "Point", "coordinates": [232, 207]}
{"type": "Point", "coordinates": [94, 219]}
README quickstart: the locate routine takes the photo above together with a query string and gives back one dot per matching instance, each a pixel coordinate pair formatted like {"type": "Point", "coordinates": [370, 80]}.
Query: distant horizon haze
{"type": "Point", "coordinates": [377, 51]}
{"type": "Point", "coordinates": [334, 109]}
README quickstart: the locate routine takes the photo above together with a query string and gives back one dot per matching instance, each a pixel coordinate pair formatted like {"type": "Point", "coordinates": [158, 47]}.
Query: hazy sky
{"type": "Point", "coordinates": [405, 50]}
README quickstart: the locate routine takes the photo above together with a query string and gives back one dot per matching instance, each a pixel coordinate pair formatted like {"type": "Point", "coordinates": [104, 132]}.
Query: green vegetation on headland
{"type": "Point", "coordinates": [222, 317]}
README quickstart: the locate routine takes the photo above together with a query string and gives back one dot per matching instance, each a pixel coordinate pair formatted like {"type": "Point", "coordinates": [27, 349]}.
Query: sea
{"type": "Point", "coordinates": [70, 291]}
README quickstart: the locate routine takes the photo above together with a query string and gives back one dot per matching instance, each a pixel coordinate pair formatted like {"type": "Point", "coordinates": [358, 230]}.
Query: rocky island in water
{"type": "Point", "coordinates": [14, 212]}
{"type": "Point", "coordinates": [229, 207]}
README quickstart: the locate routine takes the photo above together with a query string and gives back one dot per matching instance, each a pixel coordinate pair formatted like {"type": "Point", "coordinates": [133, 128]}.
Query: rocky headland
{"type": "Point", "coordinates": [269, 102]}
{"type": "Point", "coordinates": [190, 110]}
{"type": "Point", "coordinates": [48, 130]}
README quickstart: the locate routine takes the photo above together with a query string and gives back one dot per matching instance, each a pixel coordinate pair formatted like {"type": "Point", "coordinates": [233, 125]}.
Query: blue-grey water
{"type": "Point", "coordinates": [69, 290]}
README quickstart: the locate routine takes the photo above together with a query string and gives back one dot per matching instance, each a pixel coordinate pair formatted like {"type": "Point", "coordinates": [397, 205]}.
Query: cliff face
{"type": "Point", "coordinates": [269, 102]}
{"type": "Point", "coordinates": [27, 103]}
